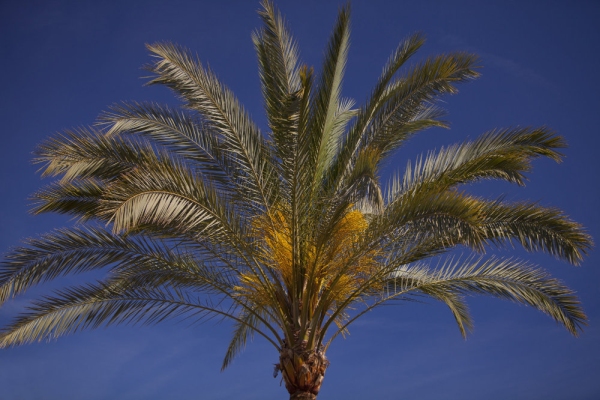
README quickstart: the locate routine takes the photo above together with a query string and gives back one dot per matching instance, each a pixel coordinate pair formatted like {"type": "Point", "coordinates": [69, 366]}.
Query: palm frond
{"type": "Point", "coordinates": [87, 153]}
{"type": "Point", "coordinates": [411, 94]}
{"type": "Point", "coordinates": [187, 274]}
{"type": "Point", "coordinates": [536, 228]}
{"type": "Point", "coordinates": [354, 138]}
{"type": "Point", "coordinates": [77, 250]}
{"type": "Point", "coordinates": [79, 197]}
{"type": "Point", "coordinates": [325, 125]}
{"type": "Point", "coordinates": [178, 69]}
{"type": "Point", "coordinates": [244, 330]}
{"type": "Point", "coordinates": [450, 217]}
{"type": "Point", "coordinates": [92, 306]}
{"type": "Point", "coordinates": [363, 187]}
{"type": "Point", "coordinates": [279, 72]}
{"type": "Point", "coordinates": [187, 137]}
{"type": "Point", "coordinates": [168, 194]}
{"type": "Point", "coordinates": [500, 154]}
{"type": "Point", "coordinates": [404, 107]}
{"type": "Point", "coordinates": [509, 279]}
{"type": "Point", "coordinates": [403, 125]}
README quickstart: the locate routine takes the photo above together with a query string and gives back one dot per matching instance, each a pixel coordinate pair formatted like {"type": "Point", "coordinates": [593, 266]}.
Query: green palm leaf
{"type": "Point", "coordinates": [202, 91]}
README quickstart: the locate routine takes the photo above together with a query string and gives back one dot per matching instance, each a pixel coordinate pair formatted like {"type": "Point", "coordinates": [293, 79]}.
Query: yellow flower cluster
{"type": "Point", "coordinates": [337, 266]}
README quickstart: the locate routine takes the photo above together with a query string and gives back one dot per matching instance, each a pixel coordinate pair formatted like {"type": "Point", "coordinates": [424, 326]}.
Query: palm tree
{"type": "Point", "coordinates": [195, 213]}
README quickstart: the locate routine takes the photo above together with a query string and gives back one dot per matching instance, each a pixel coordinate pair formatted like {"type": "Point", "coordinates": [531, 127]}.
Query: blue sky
{"type": "Point", "coordinates": [65, 62]}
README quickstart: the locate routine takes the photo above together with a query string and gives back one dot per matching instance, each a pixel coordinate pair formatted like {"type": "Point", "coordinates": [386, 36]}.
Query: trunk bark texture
{"type": "Point", "coordinates": [303, 396]}
{"type": "Point", "coordinates": [302, 370]}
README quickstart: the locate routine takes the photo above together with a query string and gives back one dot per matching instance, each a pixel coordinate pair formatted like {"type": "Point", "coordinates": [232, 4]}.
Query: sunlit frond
{"type": "Point", "coordinates": [178, 69]}
{"type": "Point", "coordinates": [169, 195]}
{"type": "Point", "coordinates": [500, 154]}
{"type": "Point", "coordinates": [279, 73]}
{"type": "Point", "coordinates": [87, 153]}
{"type": "Point", "coordinates": [327, 118]}
{"type": "Point", "coordinates": [186, 136]}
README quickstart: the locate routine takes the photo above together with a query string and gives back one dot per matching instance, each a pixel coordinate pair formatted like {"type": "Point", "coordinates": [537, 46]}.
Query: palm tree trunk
{"type": "Point", "coordinates": [303, 396]}
{"type": "Point", "coordinates": [303, 371]}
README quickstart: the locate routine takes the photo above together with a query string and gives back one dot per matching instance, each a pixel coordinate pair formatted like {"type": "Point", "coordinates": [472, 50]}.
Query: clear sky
{"type": "Point", "coordinates": [63, 62]}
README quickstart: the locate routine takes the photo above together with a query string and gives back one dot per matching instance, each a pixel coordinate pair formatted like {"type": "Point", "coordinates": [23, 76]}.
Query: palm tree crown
{"type": "Point", "coordinates": [194, 212]}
